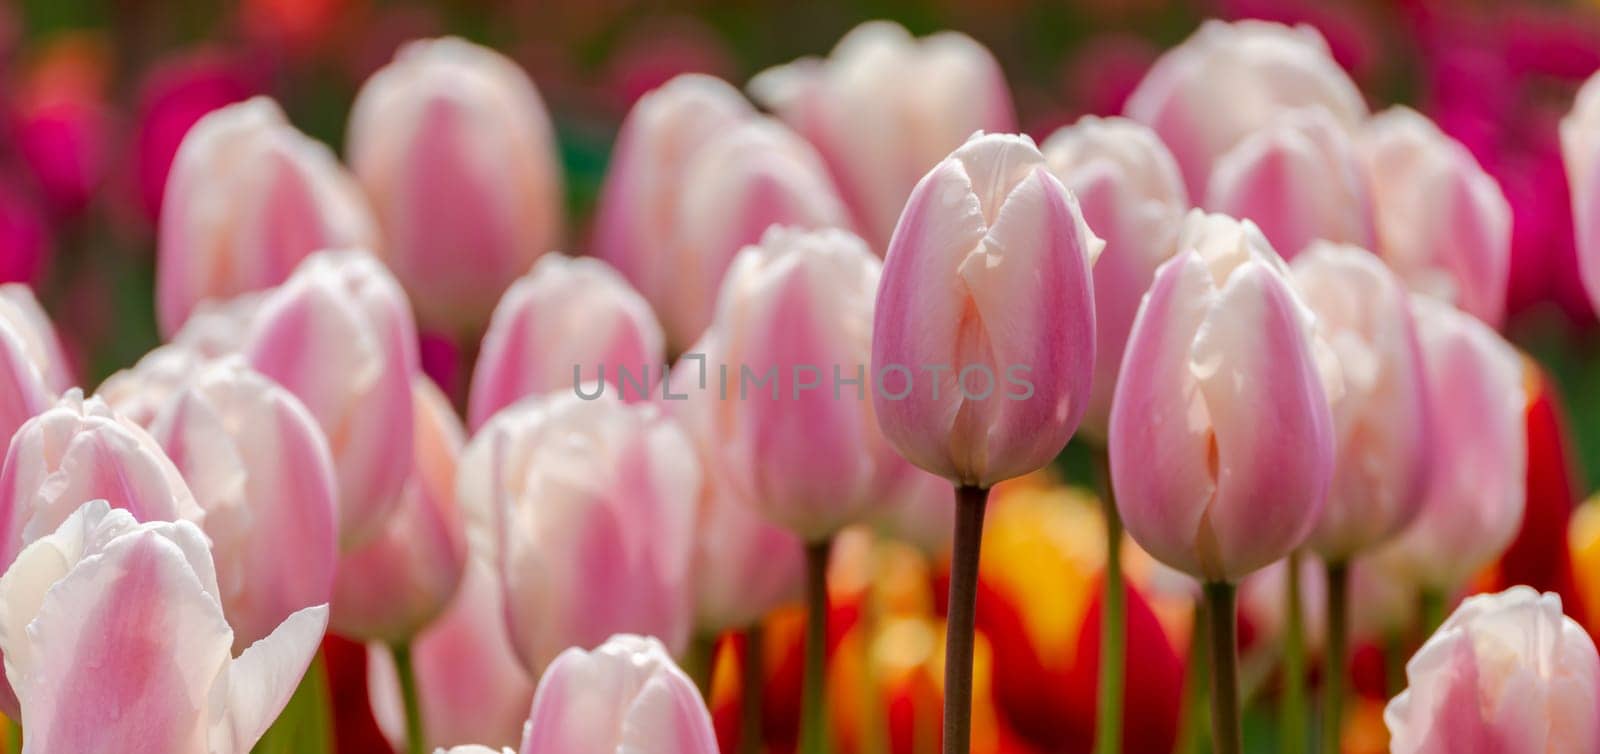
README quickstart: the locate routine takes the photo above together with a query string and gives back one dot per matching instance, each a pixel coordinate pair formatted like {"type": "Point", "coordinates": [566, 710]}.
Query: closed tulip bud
{"type": "Point", "coordinates": [394, 584]}
{"type": "Point", "coordinates": [884, 107]}
{"type": "Point", "coordinates": [339, 335]}
{"type": "Point", "coordinates": [593, 504]}
{"type": "Point", "coordinates": [1260, 68]}
{"type": "Point", "coordinates": [21, 310]}
{"type": "Point", "coordinates": [23, 390]}
{"type": "Point", "coordinates": [456, 151]}
{"type": "Point", "coordinates": [569, 321]}
{"type": "Point", "coordinates": [626, 696]}
{"type": "Point", "coordinates": [141, 391]}
{"type": "Point", "coordinates": [1383, 439]}
{"type": "Point", "coordinates": [1132, 195]}
{"type": "Point", "coordinates": [1505, 673]}
{"type": "Point", "coordinates": [1580, 149]}
{"type": "Point", "coordinates": [1298, 179]}
{"type": "Point", "coordinates": [115, 641]}
{"type": "Point", "coordinates": [259, 468]}
{"type": "Point", "coordinates": [1474, 503]}
{"type": "Point", "coordinates": [1443, 224]}
{"type": "Point", "coordinates": [983, 340]}
{"type": "Point", "coordinates": [1221, 435]}
{"type": "Point", "coordinates": [249, 197]}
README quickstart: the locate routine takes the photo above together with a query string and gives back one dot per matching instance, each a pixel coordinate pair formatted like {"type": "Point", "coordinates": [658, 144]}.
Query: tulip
{"type": "Point", "coordinates": [24, 393]}
{"type": "Point", "coordinates": [259, 467]}
{"type": "Point", "coordinates": [884, 108]}
{"type": "Point", "coordinates": [115, 641]}
{"type": "Point", "coordinates": [141, 391]}
{"type": "Point", "coordinates": [1443, 224]}
{"type": "Point", "coordinates": [1259, 68]}
{"type": "Point", "coordinates": [1298, 179]}
{"type": "Point", "coordinates": [174, 94]}
{"type": "Point", "coordinates": [592, 503]}
{"type": "Point", "coordinates": [248, 197]}
{"type": "Point", "coordinates": [1506, 673]}
{"type": "Point", "coordinates": [1580, 150]}
{"type": "Point", "coordinates": [569, 321]}
{"type": "Point", "coordinates": [339, 335]}
{"type": "Point", "coordinates": [457, 153]}
{"type": "Point", "coordinates": [25, 236]}
{"type": "Point", "coordinates": [396, 583]}
{"type": "Point", "coordinates": [475, 749]}
{"type": "Point", "coordinates": [625, 696]}
{"type": "Point", "coordinates": [21, 310]}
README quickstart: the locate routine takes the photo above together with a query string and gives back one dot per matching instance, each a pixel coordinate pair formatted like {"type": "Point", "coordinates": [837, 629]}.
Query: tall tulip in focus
{"type": "Point", "coordinates": [249, 197]}
{"type": "Point", "coordinates": [115, 641]}
{"type": "Point", "coordinates": [1508, 674]}
{"type": "Point", "coordinates": [457, 153]}
{"type": "Point", "coordinates": [1222, 440]}
{"type": "Point", "coordinates": [1580, 148]}
{"type": "Point", "coordinates": [884, 108]}
{"type": "Point", "coordinates": [983, 346]}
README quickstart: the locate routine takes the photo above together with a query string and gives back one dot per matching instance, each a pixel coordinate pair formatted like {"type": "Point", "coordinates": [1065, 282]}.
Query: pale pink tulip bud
{"type": "Point", "coordinates": [1382, 434]}
{"type": "Point", "coordinates": [568, 322]}
{"type": "Point", "coordinates": [983, 340]}
{"type": "Point", "coordinates": [593, 505]}
{"type": "Point", "coordinates": [1506, 673]}
{"type": "Point", "coordinates": [1443, 224]}
{"type": "Point", "coordinates": [339, 335]}
{"type": "Point", "coordinates": [1258, 68]}
{"type": "Point", "coordinates": [141, 391]}
{"type": "Point", "coordinates": [259, 467]}
{"type": "Point", "coordinates": [1580, 149]}
{"type": "Point", "coordinates": [1474, 503]}
{"type": "Point", "coordinates": [24, 391]}
{"type": "Point", "coordinates": [21, 310]}
{"type": "Point", "coordinates": [470, 683]}
{"type": "Point", "coordinates": [1221, 436]}
{"type": "Point", "coordinates": [456, 151]}
{"type": "Point", "coordinates": [884, 108]}
{"type": "Point", "coordinates": [626, 696]}
{"type": "Point", "coordinates": [394, 584]}
{"type": "Point", "coordinates": [249, 197]}
{"type": "Point", "coordinates": [1298, 179]}
{"type": "Point", "coordinates": [115, 641]}
{"type": "Point", "coordinates": [1132, 195]}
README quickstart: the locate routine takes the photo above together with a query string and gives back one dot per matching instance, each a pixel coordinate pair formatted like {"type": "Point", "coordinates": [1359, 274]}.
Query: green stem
{"type": "Point", "coordinates": [1337, 657]}
{"type": "Point", "coordinates": [1191, 720]}
{"type": "Point", "coordinates": [752, 675]}
{"type": "Point", "coordinates": [1220, 606]}
{"type": "Point", "coordinates": [13, 733]}
{"type": "Point", "coordinates": [415, 736]}
{"type": "Point", "coordinates": [1292, 731]}
{"type": "Point", "coordinates": [306, 724]}
{"type": "Point", "coordinates": [1113, 625]}
{"type": "Point", "coordinates": [1394, 663]}
{"type": "Point", "coordinates": [970, 505]}
{"type": "Point", "coordinates": [813, 716]}
{"type": "Point", "coordinates": [699, 661]}
{"type": "Point", "coordinates": [1433, 605]}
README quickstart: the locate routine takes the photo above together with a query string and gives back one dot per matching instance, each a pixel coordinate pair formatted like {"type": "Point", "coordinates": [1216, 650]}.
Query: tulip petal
{"type": "Point", "coordinates": [262, 679]}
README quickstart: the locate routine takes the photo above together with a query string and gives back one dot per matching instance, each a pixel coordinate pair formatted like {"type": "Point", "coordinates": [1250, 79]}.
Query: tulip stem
{"type": "Point", "coordinates": [1292, 733]}
{"type": "Point", "coordinates": [700, 662]}
{"type": "Point", "coordinates": [1432, 611]}
{"type": "Point", "coordinates": [1394, 663]}
{"type": "Point", "coordinates": [1220, 606]}
{"type": "Point", "coordinates": [752, 674]}
{"type": "Point", "coordinates": [962, 614]}
{"type": "Point", "coordinates": [1193, 712]}
{"type": "Point", "coordinates": [1336, 656]}
{"type": "Point", "coordinates": [813, 716]}
{"type": "Point", "coordinates": [13, 733]}
{"type": "Point", "coordinates": [415, 741]}
{"type": "Point", "coordinates": [1113, 624]}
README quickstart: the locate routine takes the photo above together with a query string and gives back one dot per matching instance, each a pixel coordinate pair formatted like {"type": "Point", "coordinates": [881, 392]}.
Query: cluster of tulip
{"type": "Point", "coordinates": [791, 324]}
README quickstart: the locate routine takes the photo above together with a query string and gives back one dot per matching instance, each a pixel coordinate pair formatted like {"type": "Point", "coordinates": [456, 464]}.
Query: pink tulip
{"type": "Point", "coordinates": [1383, 443]}
{"type": "Point", "coordinates": [339, 335]}
{"type": "Point", "coordinates": [626, 696]}
{"type": "Point", "coordinates": [23, 388]}
{"type": "Point", "coordinates": [1298, 179]}
{"type": "Point", "coordinates": [141, 391]}
{"type": "Point", "coordinates": [569, 321]}
{"type": "Point", "coordinates": [248, 197]}
{"type": "Point", "coordinates": [1132, 195]}
{"type": "Point", "coordinates": [593, 510]}
{"type": "Point", "coordinates": [475, 749]}
{"type": "Point", "coordinates": [983, 336]}
{"type": "Point", "coordinates": [1443, 224]}
{"type": "Point", "coordinates": [1259, 69]}
{"type": "Point", "coordinates": [259, 468]}
{"type": "Point", "coordinates": [884, 108]}
{"type": "Point", "coordinates": [1221, 436]}
{"type": "Point", "coordinates": [394, 584]}
{"type": "Point", "coordinates": [1474, 504]}
{"type": "Point", "coordinates": [21, 310]}
{"type": "Point", "coordinates": [115, 641]}
{"type": "Point", "coordinates": [1507, 673]}
{"type": "Point", "coordinates": [1580, 149]}
{"type": "Point", "coordinates": [453, 145]}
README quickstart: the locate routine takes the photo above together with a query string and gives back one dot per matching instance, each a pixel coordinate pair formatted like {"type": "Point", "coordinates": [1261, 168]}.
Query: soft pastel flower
{"type": "Point", "coordinates": [983, 338]}
{"type": "Point", "coordinates": [1132, 195]}
{"type": "Point", "coordinates": [23, 389]}
{"type": "Point", "coordinates": [20, 309]}
{"type": "Point", "coordinates": [1507, 673]}
{"type": "Point", "coordinates": [1580, 148]}
{"type": "Point", "coordinates": [625, 696]}
{"type": "Point", "coordinates": [115, 641]}
{"type": "Point", "coordinates": [177, 92]}
{"type": "Point", "coordinates": [884, 108]}
{"type": "Point", "coordinates": [1222, 441]}
{"type": "Point", "coordinates": [248, 198]}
